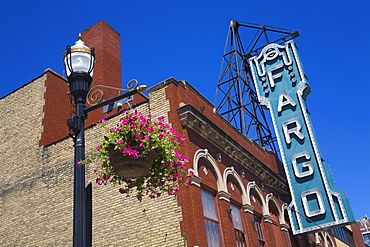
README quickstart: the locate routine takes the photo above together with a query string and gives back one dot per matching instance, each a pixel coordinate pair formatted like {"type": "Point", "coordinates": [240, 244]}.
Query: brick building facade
{"type": "Point", "coordinates": [238, 196]}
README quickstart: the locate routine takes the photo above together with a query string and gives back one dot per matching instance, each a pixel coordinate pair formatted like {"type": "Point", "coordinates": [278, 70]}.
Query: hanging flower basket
{"type": "Point", "coordinates": [139, 155]}
{"type": "Point", "coordinates": [125, 167]}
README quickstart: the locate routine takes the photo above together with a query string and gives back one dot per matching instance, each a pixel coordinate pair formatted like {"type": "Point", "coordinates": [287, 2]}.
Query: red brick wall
{"type": "Point", "coordinates": [177, 94]}
{"type": "Point", "coordinates": [57, 109]}
{"type": "Point", "coordinates": [189, 198]}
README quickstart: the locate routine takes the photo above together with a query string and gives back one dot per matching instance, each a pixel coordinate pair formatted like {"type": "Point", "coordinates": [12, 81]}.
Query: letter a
{"type": "Point", "coordinates": [284, 99]}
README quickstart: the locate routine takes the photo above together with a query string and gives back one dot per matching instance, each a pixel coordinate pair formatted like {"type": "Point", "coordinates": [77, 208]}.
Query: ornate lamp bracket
{"type": "Point", "coordinates": [95, 95]}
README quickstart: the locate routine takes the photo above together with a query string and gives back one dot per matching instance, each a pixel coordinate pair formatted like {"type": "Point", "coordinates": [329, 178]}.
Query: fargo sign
{"type": "Point", "coordinates": [282, 87]}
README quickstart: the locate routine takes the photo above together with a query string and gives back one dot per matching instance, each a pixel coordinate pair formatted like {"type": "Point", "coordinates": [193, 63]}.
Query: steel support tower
{"type": "Point", "coordinates": [236, 98]}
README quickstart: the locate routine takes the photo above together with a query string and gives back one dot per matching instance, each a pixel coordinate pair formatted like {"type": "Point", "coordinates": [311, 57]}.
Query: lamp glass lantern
{"type": "Point", "coordinates": [79, 59]}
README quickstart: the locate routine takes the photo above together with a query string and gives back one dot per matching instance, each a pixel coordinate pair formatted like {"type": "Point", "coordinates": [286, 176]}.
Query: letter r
{"type": "Point", "coordinates": [293, 130]}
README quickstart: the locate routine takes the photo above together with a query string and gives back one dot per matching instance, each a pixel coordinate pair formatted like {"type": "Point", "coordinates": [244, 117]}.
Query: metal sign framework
{"type": "Point", "coordinates": [236, 99]}
{"type": "Point", "coordinates": [268, 74]}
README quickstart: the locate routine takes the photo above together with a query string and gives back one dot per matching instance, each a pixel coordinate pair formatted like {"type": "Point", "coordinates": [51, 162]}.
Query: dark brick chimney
{"type": "Point", "coordinates": [58, 108]}
{"type": "Point", "coordinates": [107, 72]}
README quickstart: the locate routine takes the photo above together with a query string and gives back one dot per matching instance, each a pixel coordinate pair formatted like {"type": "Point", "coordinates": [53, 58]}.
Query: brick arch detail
{"type": "Point", "coordinates": [272, 198]}
{"type": "Point", "coordinates": [203, 153]}
{"type": "Point", "coordinates": [253, 186]}
{"type": "Point", "coordinates": [230, 171]}
{"type": "Point", "coordinates": [284, 208]}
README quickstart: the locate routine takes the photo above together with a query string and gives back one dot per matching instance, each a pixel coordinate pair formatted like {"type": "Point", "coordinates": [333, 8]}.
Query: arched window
{"type": "Point", "coordinates": [210, 180]}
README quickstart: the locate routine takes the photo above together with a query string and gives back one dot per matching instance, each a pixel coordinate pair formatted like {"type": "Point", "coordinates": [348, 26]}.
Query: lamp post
{"type": "Point", "coordinates": [79, 61]}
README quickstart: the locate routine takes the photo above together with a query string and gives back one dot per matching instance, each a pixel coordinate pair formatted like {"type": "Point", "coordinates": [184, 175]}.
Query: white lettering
{"type": "Point", "coordinates": [319, 200]}
{"type": "Point", "coordinates": [284, 99]}
{"type": "Point", "coordinates": [307, 164]}
{"type": "Point", "coordinates": [275, 76]}
{"type": "Point", "coordinates": [295, 130]}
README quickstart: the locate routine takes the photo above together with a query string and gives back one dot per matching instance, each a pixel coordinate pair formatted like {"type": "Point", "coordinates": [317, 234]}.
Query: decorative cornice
{"type": "Point", "coordinates": [248, 208]}
{"type": "Point", "coordinates": [223, 195]}
{"type": "Point", "coordinates": [195, 180]}
{"type": "Point", "coordinates": [284, 227]}
{"type": "Point", "coordinates": [267, 218]}
{"type": "Point", "coordinates": [195, 120]}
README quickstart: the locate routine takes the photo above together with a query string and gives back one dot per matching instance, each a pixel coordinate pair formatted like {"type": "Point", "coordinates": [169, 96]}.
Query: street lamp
{"type": "Point", "coordinates": [79, 61]}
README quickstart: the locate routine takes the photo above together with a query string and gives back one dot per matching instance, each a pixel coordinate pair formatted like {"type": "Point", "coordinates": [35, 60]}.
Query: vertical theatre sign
{"type": "Point", "coordinates": [282, 87]}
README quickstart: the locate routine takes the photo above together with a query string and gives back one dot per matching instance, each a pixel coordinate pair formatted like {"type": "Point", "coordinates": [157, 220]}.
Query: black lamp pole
{"type": "Point", "coordinates": [79, 62]}
{"type": "Point", "coordinates": [79, 87]}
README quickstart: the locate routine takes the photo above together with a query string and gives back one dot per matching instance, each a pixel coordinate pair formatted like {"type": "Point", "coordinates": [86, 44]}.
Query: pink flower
{"type": "Point", "coordinates": [122, 191]}
{"type": "Point", "coordinates": [98, 148]}
{"type": "Point", "coordinates": [132, 153]}
{"type": "Point", "coordinates": [160, 136]}
{"type": "Point", "coordinates": [161, 118]}
{"type": "Point", "coordinates": [79, 163]}
{"type": "Point", "coordinates": [119, 142]}
{"type": "Point", "coordinates": [103, 120]}
{"type": "Point", "coordinates": [138, 136]}
{"type": "Point", "coordinates": [150, 130]}
{"type": "Point", "coordinates": [96, 169]}
{"type": "Point", "coordinates": [99, 181]}
{"type": "Point", "coordinates": [178, 155]}
{"type": "Point", "coordinates": [125, 122]}
{"type": "Point", "coordinates": [143, 120]}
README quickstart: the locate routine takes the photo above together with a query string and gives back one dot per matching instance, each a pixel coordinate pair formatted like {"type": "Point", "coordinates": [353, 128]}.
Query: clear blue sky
{"type": "Point", "coordinates": [185, 40]}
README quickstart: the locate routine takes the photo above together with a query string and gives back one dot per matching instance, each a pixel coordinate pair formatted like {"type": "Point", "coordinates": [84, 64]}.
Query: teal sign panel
{"type": "Point", "coordinates": [283, 88]}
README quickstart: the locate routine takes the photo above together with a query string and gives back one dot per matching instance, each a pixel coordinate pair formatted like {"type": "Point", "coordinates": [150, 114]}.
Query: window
{"type": "Point", "coordinates": [258, 228]}
{"type": "Point", "coordinates": [210, 219]}
{"type": "Point", "coordinates": [238, 225]}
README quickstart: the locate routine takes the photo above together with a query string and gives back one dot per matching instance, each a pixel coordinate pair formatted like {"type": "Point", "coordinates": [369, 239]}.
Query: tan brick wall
{"type": "Point", "coordinates": [159, 104]}
{"type": "Point", "coordinates": [36, 187]}
{"type": "Point", "coordinates": [21, 114]}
